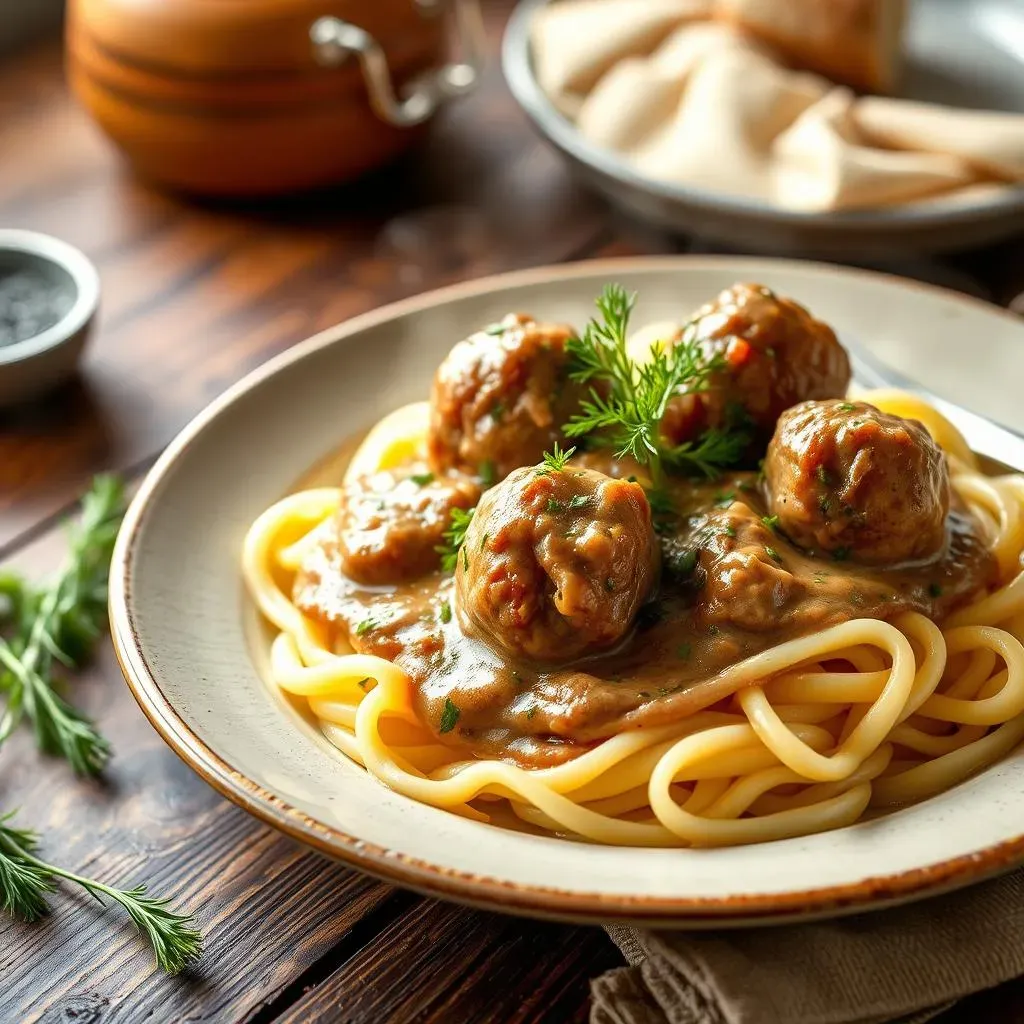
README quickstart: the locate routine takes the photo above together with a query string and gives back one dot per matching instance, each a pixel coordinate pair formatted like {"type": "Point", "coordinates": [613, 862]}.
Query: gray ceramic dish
{"type": "Point", "coordinates": [959, 52]}
{"type": "Point", "coordinates": [31, 367]}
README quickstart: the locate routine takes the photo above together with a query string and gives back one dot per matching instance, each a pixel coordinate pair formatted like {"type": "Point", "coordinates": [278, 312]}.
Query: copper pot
{"type": "Point", "coordinates": [257, 97]}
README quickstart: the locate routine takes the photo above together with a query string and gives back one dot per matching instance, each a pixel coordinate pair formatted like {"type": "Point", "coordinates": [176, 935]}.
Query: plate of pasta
{"type": "Point", "coordinates": [607, 592]}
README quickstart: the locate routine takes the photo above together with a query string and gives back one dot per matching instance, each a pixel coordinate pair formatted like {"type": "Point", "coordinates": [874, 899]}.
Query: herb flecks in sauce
{"type": "Point", "coordinates": [736, 601]}
{"type": "Point", "coordinates": [449, 716]}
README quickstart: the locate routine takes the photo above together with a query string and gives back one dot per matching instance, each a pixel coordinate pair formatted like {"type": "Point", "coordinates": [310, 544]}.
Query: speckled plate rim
{"type": "Point", "coordinates": [517, 66]}
{"type": "Point", "coordinates": [876, 891]}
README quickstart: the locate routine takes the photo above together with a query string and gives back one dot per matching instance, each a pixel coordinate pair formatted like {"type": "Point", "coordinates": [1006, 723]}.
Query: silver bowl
{"type": "Point", "coordinates": [35, 365]}
{"type": "Point", "coordinates": [955, 55]}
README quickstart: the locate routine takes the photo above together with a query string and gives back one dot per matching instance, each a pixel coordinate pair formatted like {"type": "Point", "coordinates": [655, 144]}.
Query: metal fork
{"type": "Point", "coordinates": [985, 437]}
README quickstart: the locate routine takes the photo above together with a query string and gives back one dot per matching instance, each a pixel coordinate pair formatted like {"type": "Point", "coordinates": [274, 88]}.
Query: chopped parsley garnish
{"type": "Point", "coordinates": [627, 402]}
{"type": "Point", "coordinates": [497, 410]}
{"type": "Point", "coordinates": [609, 584]}
{"type": "Point", "coordinates": [934, 590]}
{"type": "Point", "coordinates": [555, 460]}
{"type": "Point", "coordinates": [713, 630]}
{"type": "Point", "coordinates": [554, 507]}
{"type": "Point", "coordinates": [362, 684]}
{"type": "Point", "coordinates": [465, 559]}
{"type": "Point", "coordinates": [495, 330]}
{"type": "Point", "coordinates": [449, 716]}
{"type": "Point", "coordinates": [729, 531]}
{"type": "Point", "coordinates": [484, 540]}
{"type": "Point", "coordinates": [846, 407]}
{"type": "Point", "coordinates": [824, 504]}
{"type": "Point", "coordinates": [772, 522]}
{"type": "Point", "coordinates": [772, 553]}
{"type": "Point", "coordinates": [422, 479]}
{"type": "Point", "coordinates": [579, 501]}
{"type": "Point", "coordinates": [822, 474]}
{"type": "Point", "coordinates": [488, 474]}
{"type": "Point", "coordinates": [684, 651]}
{"type": "Point", "coordinates": [725, 498]}
{"type": "Point", "coordinates": [446, 612]}
{"type": "Point", "coordinates": [455, 537]}
{"type": "Point", "coordinates": [532, 711]}
{"type": "Point", "coordinates": [365, 626]}
{"type": "Point", "coordinates": [841, 554]}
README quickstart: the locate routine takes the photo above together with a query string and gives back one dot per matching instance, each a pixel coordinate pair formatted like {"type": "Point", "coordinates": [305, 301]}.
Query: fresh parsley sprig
{"type": "Point", "coordinates": [26, 880]}
{"type": "Point", "coordinates": [627, 401]}
{"type": "Point", "coordinates": [58, 624]}
{"type": "Point", "coordinates": [42, 628]}
{"type": "Point", "coordinates": [454, 537]}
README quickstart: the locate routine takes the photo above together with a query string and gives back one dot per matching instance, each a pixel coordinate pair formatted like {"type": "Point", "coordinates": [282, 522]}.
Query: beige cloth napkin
{"type": "Point", "coordinates": [903, 965]}
{"type": "Point", "coordinates": [694, 101]}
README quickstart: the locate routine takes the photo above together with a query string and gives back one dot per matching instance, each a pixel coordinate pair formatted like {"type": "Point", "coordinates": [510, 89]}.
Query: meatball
{"type": "Point", "coordinates": [846, 478]}
{"type": "Point", "coordinates": [775, 353]}
{"type": "Point", "coordinates": [500, 399]}
{"type": "Point", "coordinates": [556, 563]}
{"type": "Point", "coordinates": [389, 527]}
{"type": "Point", "coordinates": [745, 580]}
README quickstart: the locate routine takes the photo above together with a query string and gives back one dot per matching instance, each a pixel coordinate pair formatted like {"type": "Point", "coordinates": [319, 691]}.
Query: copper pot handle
{"type": "Point", "coordinates": [336, 41]}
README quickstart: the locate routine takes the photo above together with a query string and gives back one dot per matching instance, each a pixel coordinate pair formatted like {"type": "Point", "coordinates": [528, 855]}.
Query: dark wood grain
{"type": "Point", "coordinates": [498, 970]}
{"type": "Point", "coordinates": [195, 294]}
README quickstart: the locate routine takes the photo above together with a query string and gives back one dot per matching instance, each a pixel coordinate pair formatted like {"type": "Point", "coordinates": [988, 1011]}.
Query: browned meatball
{"type": "Point", "coordinates": [776, 354]}
{"type": "Point", "coordinates": [557, 562]}
{"type": "Point", "coordinates": [389, 527]}
{"type": "Point", "coordinates": [500, 399]}
{"type": "Point", "coordinates": [846, 478]}
{"type": "Point", "coordinates": [745, 579]}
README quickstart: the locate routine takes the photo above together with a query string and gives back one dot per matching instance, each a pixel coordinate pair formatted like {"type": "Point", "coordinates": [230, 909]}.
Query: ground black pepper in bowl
{"type": "Point", "coordinates": [30, 303]}
{"type": "Point", "coordinates": [49, 292]}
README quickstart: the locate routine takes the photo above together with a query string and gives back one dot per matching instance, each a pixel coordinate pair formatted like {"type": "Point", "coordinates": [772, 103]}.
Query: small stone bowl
{"type": "Point", "coordinates": [49, 292]}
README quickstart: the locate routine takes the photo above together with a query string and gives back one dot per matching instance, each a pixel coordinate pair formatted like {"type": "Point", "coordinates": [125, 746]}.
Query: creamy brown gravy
{"type": "Point", "coordinates": [731, 587]}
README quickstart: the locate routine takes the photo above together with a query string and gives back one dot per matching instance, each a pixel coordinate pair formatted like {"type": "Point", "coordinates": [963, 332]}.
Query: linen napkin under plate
{"type": "Point", "coordinates": [695, 101]}
{"type": "Point", "coordinates": [904, 965]}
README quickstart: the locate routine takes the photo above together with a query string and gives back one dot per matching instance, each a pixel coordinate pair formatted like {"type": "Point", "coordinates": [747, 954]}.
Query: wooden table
{"type": "Point", "coordinates": [194, 296]}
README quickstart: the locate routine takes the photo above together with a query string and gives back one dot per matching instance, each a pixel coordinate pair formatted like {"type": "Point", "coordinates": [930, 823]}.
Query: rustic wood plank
{"type": "Point", "coordinates": [270, 909]}
{"type": "Point", "coordinates": [195, 294]}
{"type": "Point", "coordinates": [441, 963]}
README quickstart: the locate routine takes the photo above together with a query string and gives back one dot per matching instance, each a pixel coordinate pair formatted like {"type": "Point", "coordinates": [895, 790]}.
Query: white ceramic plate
{"type": "Point", "coordinates": [182, 626]}
{"type": "Point", "coordinates": [963, 53]}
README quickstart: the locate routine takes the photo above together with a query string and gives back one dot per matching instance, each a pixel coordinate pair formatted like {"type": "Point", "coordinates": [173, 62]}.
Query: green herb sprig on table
{"type": "Point", "coordinates": [56, 625]}
{"type": "Point", "coordinates": [627, 401]}
{"type": "Point", "coordinates": [26, 881]}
